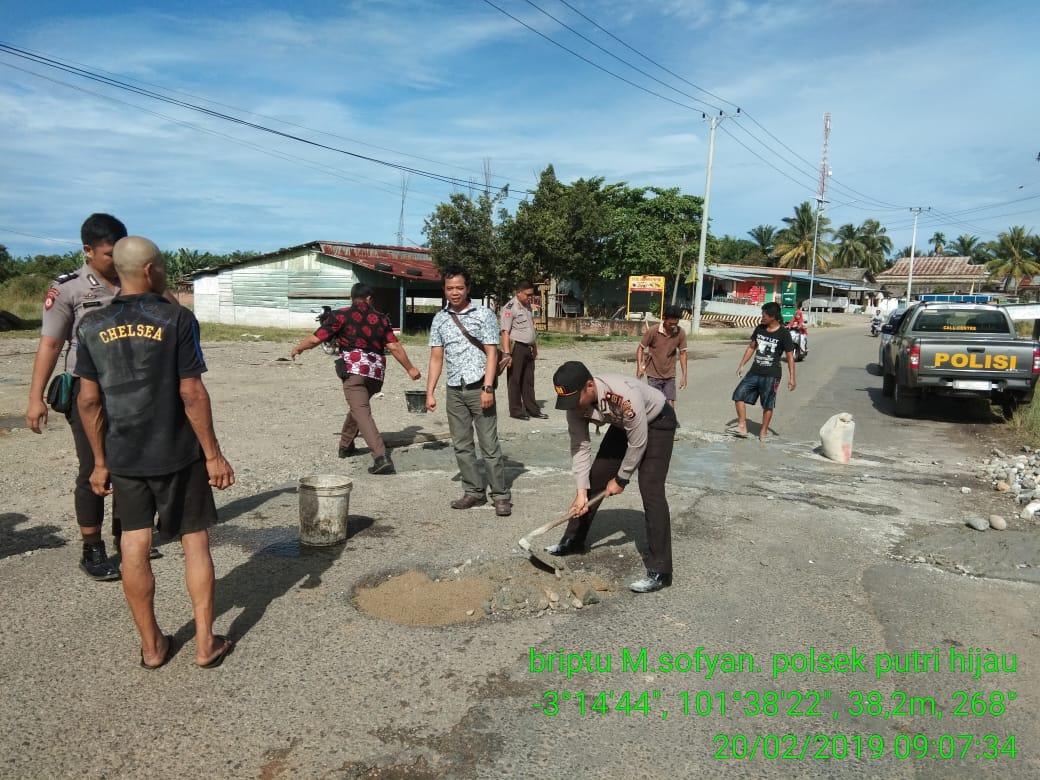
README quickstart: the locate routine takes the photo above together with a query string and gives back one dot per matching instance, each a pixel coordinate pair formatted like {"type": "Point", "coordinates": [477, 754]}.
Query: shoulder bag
{"type": "Point", "coordinates": [476, 343]}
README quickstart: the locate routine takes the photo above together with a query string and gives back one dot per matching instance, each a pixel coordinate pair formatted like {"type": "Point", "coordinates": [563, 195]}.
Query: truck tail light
{"type": "Point", "coordinates": [915, 358]}
{"type": "Point", "coordinates": [1036, 360]}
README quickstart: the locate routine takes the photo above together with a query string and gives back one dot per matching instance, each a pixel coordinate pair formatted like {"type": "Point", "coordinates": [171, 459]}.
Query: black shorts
{"type": "Point", "coordinates": [183, 500]}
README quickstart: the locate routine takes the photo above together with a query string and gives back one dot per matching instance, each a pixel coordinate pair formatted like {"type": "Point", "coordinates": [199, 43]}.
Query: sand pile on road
{"type": "Point", "coordinates": [413, 599]}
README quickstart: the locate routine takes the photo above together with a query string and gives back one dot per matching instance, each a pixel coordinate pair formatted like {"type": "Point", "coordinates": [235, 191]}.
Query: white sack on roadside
{"type": "Point", "coordinates": [836, 436]}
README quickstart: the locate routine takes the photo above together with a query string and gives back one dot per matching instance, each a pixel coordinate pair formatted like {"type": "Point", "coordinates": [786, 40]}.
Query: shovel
{"type": "Point", "coordinates": [557, 564]}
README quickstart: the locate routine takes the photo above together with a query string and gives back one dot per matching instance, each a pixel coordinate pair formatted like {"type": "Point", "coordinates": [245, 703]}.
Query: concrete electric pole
{"type": "Point", "coordinates": [713, 122]}
{"type": "Point", "coordinates": [913, 243]}
{"type": "Point", "coordinates": [821, 191]}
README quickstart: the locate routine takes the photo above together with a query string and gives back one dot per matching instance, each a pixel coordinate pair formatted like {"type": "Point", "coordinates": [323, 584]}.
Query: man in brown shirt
{"type": "Point", "coordinates": [656, 353]}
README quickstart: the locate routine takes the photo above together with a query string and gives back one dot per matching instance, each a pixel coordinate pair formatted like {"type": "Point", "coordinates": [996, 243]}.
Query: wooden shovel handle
{"type": "Point", "coordinates": [563, 518]}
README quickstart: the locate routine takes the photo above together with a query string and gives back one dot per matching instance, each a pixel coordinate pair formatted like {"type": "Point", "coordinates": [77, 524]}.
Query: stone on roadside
{"type": "Point", "coordinates": [1025, 498]}
{"type": "Point", "coordinates": [978, 523]}
{"type": "Point", "coordinates": [1030, 509]}
{"type": "Point", "coordinates": [576, 602]}
{"type": "Point", "coordinates": [966, 490]}
{"type": "Point", "coordinates": [1002, 487]}
{"type": "Point", "coordinates": [998, 453]}
{"type": "Point", "coordinates": [586, 594]}
{"type": "Point", "coordinates": [599, 583]}
{"type": "Point", "coordinates": [1029, 483]}
{"type": "Point", "coordinates": [997, 523]}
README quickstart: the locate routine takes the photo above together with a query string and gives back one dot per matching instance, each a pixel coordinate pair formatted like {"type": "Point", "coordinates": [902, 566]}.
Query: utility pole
{"type": "Point", "coordinates": [678, 272]}
{"type": "Point", "coordinates": [821, 190]}
{"type": "Point", "coordinates": [913, 243]}
{"type": "Point", "coordinates": [713, 122]}
{"type": "Point", "coordinates": [405, 178]}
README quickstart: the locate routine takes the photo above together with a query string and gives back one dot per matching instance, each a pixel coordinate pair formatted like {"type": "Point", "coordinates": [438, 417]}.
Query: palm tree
{"type": "Point", "coordinates": [966, 245]}
{"type": "Point", "coordinates": [794, 244]}
{"type": "Point", "coordinates": [877, 243]}
{"type": "Point", "coordinates": [764, 237]}
{"type": "Point", "coordinates": [851, 250]}
{"type": "Point", "coordinates": [938, 240]}
{"type": "Point", "coordinates": [1012, 258]}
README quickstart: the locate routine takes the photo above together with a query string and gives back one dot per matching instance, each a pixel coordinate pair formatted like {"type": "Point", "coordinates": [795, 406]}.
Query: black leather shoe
{"type": "Point", "coordinates": [566, 546]}
{"type": "Point", "coordinates": [468, 502]}
{"type": "Point", "coordinates": [346, 452]}
{"type": "Point", "coordinates": [654, 580]}
{"type": "Point", "coordinates": [96, 563]}
{"type": "Point", "coordinates": [520, 416]}
{"type": "Point", "coordinates": [382, 465]}
{"type": "Point", "coordinates": [539, 415]}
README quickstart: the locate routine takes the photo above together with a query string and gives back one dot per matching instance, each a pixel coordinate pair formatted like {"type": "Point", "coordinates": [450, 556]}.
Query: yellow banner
{"type": "Point", "coordinates": [646, 284]}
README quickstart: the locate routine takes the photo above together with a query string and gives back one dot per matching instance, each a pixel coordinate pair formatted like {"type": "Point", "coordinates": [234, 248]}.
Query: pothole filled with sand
{"type": "Point", "coordinates": [470, 593]}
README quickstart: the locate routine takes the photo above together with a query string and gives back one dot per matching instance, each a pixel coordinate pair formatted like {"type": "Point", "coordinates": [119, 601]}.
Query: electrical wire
{"type": "Point", "coordinates": [271, 118]}
{"type": "Point", "coordinates": [355, 178]}
{"type": "Point", "coordinates": [85, 73]}
{"type": "Point", "coordinates": [4, 229]}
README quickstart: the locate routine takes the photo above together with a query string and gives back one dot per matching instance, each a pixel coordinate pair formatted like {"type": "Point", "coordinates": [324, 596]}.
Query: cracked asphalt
{"type": "Point", "coordinates": [776, 550]}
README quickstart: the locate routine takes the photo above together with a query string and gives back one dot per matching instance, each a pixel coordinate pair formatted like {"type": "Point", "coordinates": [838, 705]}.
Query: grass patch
{"type": "Point", "coordinates": [217, 331]}
{"type": "Point", "coordinates": [1027, 421]}
{"type": "Point", "coordinates": [23, 296]}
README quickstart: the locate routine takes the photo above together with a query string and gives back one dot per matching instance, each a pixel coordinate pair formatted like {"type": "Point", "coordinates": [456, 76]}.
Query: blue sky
{"type": "Point", "coordinates": [932, 104]}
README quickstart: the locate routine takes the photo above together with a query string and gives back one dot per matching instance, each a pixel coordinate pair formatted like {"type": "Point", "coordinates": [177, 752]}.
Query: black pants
{"type": "Point", "coordinates": [520, 379]}
{"type": "Point", "coordinates": [90, 507]}
{"type": "Point", "coordinates": [653, 471]}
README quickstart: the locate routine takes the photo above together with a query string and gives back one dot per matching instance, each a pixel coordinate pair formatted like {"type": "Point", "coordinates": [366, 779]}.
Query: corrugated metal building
{"type": "Point", "coordinates": [286, 288]}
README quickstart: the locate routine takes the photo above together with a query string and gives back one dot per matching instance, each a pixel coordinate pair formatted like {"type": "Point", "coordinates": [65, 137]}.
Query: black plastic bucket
{"type": "Point", "coordinates": [416, 400]}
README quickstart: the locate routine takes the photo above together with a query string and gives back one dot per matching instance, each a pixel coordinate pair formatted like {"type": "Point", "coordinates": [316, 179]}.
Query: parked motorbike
{"type": "Point", "coordinates": [875, 327]}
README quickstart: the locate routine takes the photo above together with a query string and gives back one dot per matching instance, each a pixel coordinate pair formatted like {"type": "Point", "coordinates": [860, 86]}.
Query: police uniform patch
{"type": "Point", "coordinates": [48, 300]}
{"type": "Point", "coordinates": [617, 405]}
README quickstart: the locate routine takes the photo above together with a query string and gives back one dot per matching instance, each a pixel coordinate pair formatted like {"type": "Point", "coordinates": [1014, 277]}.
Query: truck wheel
{"type": "Point", "coordinates": [888, 385]}
{"type": "Point", "coordinates": [906, 401]}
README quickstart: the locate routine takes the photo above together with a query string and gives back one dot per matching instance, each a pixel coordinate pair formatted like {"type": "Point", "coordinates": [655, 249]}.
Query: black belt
{"type": "Point", "coordinates": [470, 386]}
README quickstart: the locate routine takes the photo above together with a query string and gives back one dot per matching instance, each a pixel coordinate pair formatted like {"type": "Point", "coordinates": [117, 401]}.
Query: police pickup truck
{"type": "Point", "coordinates": [958, 349]}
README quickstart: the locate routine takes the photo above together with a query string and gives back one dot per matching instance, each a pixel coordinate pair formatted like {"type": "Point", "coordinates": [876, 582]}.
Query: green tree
{"type": "Point", "coordinates": [464, 231]}
{"type": "Point", "coordinates": [648, 230]}
{"type": "Point", "coordinates": [1012, 256]}
{"type": "Point", "coordinates": [851, 251]}
{"type": "Point", "coordinates": [966, 245]}
{"type": "Point", "coordinates": [938, 242]}
{"type": "Point", "coordinates": [8, 267]}
{"type": "Point", "coordinates": [877, 243]}
{"type": "Point", "coordinates": [794, 245]}
{"type": "Point", "coordinates": [730, 249]}
{"type": "Point", "coordinates": [536, 236]}
{"type": "Point", "coordinates": [764, 239]}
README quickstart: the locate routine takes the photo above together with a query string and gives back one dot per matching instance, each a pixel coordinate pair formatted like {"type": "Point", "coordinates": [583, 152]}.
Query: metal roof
{"type": "Point", "coordinates": [941, 267]}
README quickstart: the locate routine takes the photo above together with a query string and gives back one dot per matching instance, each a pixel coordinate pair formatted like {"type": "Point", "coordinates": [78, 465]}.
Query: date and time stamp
{"type": "Point", "coordinates": [831, 724]}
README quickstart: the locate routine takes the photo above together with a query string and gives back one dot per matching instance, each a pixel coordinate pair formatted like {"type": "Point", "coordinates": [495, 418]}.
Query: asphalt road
{"type": "Point", "coordinates": [776, 551]}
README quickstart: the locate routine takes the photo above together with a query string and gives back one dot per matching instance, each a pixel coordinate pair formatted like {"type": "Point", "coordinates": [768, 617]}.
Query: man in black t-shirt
{"type": "Point", "coordinates": [768, 342]}
{"type": "Point", "coordinates": [147, 416]}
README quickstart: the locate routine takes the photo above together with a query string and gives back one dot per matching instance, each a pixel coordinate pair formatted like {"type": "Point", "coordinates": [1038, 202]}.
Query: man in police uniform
{"type": "Point", "coordinates": [640, 437]}
{"type": "Point", "coordinates": [518, 343]}
{"type": "Point", "coordinates": [70, 297]}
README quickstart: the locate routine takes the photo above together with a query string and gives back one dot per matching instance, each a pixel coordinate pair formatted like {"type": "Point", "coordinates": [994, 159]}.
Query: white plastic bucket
{"type": "Point", "coordinates": [324, 508]}
{"type": "Point", "coordinates": [836, 436]}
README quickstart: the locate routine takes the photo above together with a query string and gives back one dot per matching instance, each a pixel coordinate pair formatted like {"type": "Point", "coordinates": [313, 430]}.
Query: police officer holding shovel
{"type": "Point", "coordinates": [640, 438]}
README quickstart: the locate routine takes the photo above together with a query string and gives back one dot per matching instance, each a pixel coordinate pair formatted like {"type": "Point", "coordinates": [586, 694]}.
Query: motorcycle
{"type": "Point", "coordinates": [875, 327]}
{"type": "Point", "coordinates": [800, 336]}
{"type": "Point", "coordinates": [329, 346]}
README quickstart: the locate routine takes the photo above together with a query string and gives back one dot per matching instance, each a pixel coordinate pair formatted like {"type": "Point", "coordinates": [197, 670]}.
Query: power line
{"type": "Point", "coordinates": [625, 62]}
{"type": "Point", "coordinates": [837, 184]}
{"type": "Point", "coordinates": [585, 59]}
{"type": "Point", "coordinates": [355, 178]}
{"type": "Point", "coordinates": [85, 73]}
{"type": "Point", "coordinates": [264, 116]}
{"type": "Point", "coordinates": [5, 229]}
